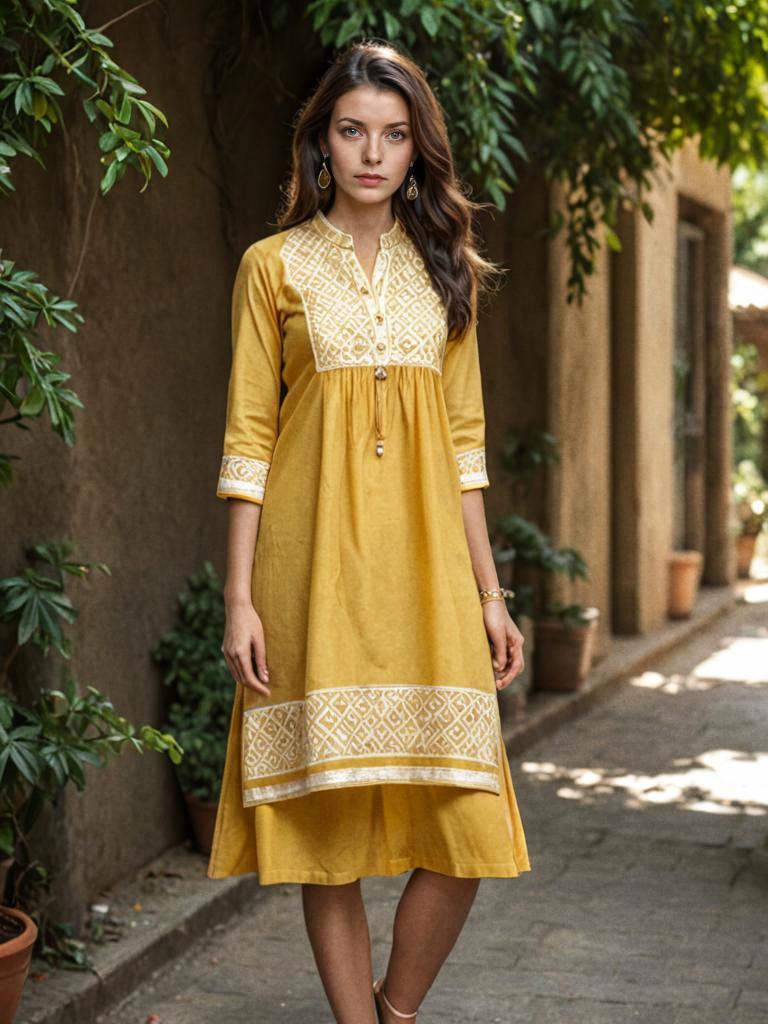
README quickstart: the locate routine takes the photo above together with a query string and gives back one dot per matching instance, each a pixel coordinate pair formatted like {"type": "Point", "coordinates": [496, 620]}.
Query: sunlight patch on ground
{"type": "Point", "coordinates": [755, 593]}
{"type": "Point", "coordinates": [755, 589]}
{"type": "Point", "coordinates": [672, 684]}
{"type": "Point", "coordinates": [743, 659]}
{"type": "Point", "coordinates": [714, 782]}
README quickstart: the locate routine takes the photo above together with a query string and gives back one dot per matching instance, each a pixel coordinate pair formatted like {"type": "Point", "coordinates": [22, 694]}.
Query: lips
{"type": "Point", "coordinates": [369, 177]}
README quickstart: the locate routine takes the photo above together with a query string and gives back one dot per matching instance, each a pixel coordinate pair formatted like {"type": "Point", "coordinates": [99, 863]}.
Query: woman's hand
{"type": "Point", "coordinates": [506, 641]}
{"type": "Point", "coordinates": [244, 640]}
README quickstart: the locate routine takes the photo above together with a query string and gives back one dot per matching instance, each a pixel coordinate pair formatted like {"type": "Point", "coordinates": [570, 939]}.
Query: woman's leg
{"type": "Point", "coordinates": [337, 927]}
{"type": "Point", "coordinates": [429, 918]}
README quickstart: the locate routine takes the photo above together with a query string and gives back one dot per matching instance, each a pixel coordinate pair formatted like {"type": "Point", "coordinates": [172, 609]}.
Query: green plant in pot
{"type": "Point", "coordinates": [750, 502]}
{"type": "Point", "coordinates": [48, 739]}
{"type": "Point", "coordinates": [565, 637]}
{"type": "Point", "coordinates": [523, 456]}
{"type": "Point", "coordinates": [563, 646]}
{"type": "Point", "coordinates": [194, 668]}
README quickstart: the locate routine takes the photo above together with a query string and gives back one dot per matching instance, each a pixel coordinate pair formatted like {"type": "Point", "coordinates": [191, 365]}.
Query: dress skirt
{"type": "Point", "coordinates": [333, 836]}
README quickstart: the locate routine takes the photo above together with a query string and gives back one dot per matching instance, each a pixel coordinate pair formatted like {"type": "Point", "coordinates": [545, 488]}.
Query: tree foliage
{"type": "Point", "coordinates": [750, 219]}
{"type": "Point", "coordinates": [595, 92]}
{"type": "Point", "coordinates": [46, 50]}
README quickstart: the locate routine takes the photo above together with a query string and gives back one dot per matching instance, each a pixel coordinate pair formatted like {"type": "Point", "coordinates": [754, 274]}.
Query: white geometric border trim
{"type": "Point", "coordinates": [472, 469]}
{"type": "Point", "coordinates": [353, 723]}
{"type": "Point", "coordinates": [242, 476]}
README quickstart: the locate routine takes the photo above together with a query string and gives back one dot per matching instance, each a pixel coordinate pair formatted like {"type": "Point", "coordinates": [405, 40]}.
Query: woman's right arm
{"type": "Point", "coordinates": [253, 405]}
{"type": "Point", "coordinates": [243, 633]}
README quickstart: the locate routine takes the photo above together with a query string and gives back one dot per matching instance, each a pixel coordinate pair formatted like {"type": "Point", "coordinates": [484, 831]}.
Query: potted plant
{"type": "Point", "coordinates": [563, 633]}
{"type": "Point", "coordinates": [565, 636]}
{"type": "Point", "coordinates": [46, 742]}
{"type": "Point", "coordinates": [683, 577]}
{"type": "Point", "coordinates": [195, 670]}
{"type": "Point", "coordinates": [523, 456]}
{"type": "Point", "coordinates": [750, 495]}
{"type": "Point", "coordinates": [527, 556]}
{"type": "Point", "coordinates": [18, 933]}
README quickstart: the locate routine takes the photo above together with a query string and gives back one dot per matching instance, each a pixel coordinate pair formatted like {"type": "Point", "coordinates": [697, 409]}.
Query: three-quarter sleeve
{"type": "Point", "coordinates": [253, 395]}
{"type": "Point", "coordinates": [462, 388]}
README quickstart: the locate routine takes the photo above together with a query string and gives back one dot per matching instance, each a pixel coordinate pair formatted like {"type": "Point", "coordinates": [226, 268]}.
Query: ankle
{"type": "Point", "coordinates": [392, 1014]}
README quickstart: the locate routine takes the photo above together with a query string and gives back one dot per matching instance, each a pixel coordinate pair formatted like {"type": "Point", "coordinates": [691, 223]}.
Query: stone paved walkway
{"type": "Point", "coordinates": [647, 902]}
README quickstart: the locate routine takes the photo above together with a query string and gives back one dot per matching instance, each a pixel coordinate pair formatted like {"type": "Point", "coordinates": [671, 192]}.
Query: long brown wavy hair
{"type": "Point", "coordinates": [439, 221]}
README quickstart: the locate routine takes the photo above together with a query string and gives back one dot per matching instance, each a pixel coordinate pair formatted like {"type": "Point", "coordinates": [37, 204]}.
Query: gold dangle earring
{"type": "Point", "coordinates": [412, 192]}
{"type": "Point", "coordinates": [324, 177]}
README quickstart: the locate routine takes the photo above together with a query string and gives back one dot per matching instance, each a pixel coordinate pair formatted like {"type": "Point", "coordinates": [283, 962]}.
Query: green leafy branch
{"type": "Point", "coordinates": [594, 92]}
{"type": "Point", "coordinates": [46, 46]}
{"type": "Point", "coordinates": [48, 742]}
{"type": "Point", "coordinates": [50, 38]}
{"type": "Point", "coordinates": [30, 381]}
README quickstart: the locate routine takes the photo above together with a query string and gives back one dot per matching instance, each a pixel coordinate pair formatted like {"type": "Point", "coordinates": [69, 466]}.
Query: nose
{"type": "Point", "coordinates": [372, 155]}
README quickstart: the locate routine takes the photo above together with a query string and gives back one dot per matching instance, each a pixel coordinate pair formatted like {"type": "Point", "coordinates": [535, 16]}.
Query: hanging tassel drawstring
{"type": "Point", "coordinates": [380, 374]}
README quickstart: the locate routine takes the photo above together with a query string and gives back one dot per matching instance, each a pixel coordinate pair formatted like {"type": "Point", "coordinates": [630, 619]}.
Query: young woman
{"type": "Point", "coordinates": [366, 631]}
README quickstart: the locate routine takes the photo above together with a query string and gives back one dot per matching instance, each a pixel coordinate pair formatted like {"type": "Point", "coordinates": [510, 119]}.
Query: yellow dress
{"type": "Point", "coordinates": [356, 425]}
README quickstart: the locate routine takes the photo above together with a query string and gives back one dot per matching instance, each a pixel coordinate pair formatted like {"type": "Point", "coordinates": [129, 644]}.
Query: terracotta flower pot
{"type": "Point", "coordinates": [684, 573]}
{"type": "Point", "coordinates": [745, 552]}
{"type": "Point", "coordinates": [563, 655]}
{"type": "Point", "coordinates": [203, 815]}
{"type": "Point", "coordinates": [15, 958]}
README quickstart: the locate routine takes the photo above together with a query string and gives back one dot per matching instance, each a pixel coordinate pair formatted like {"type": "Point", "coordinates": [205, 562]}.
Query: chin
{"type": "Point", "coordinates": [368, 196]}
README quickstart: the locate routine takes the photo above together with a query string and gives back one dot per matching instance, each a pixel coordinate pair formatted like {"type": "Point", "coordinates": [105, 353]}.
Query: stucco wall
{"type": "Point", "coordinates": [599, 376]}
{"type": "Point", "coordinates": [151, 365]}
{"type": "Point", "coordinates": [578, 498]}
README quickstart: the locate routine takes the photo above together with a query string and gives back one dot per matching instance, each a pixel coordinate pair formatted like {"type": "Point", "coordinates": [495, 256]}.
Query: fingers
{"type": "Point", "coordinates": [240, 662]}
{"type": "Point", "coordinates": [246, 675]}
{"type": "Point", "coordinates": [513, 661]}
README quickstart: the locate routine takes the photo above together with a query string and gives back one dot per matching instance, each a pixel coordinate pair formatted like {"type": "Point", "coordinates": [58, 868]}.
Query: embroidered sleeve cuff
{"type": "Point", "coordinates": [472, 471]}
{"type": "Point", "coordinates": [241, 477]}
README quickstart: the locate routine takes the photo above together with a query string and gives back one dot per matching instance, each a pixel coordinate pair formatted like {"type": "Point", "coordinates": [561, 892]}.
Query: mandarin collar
{"type": "Point", "coordinates": [388, 239]}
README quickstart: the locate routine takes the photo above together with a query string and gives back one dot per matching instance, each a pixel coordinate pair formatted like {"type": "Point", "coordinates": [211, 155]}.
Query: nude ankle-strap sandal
{"type": "Point", "coordinates": [379, 991]}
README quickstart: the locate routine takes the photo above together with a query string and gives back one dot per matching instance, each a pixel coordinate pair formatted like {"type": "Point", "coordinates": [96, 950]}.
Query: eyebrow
{"type": "Point", "coordinates": [354, 120]}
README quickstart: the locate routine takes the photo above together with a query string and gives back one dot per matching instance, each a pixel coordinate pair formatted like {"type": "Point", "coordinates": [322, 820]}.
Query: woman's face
{"type": "Point", "coordinates": [369, 134]}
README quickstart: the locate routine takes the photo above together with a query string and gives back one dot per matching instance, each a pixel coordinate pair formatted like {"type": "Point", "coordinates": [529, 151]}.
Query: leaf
{"type": "Point", "coordinates": [349, 28]}
{"type": "Point", "coordinates": [25, 762]}
{"type": "Point", "coordinates": [33, 403]}
{"type": "Point", "coordinates": [538, 15]}
{"type": "Point", "coordinates": [612, 238]}
{"type": "Point", "coordinates": [430, 20]}
{"type": "Point", "coordinates": [391, 25]}
{"type": "Point", "coordinates": [157, 160]}
{"type": "Point", "coordinates": [39, 105]}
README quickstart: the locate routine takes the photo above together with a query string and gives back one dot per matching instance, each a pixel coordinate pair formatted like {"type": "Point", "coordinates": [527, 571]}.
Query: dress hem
{"type": "Point", "coordinates": [389, 868]}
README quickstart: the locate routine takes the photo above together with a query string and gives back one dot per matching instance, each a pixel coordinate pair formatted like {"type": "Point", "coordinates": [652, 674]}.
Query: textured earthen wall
{"type": "Point", "coordinates": [151, 366]}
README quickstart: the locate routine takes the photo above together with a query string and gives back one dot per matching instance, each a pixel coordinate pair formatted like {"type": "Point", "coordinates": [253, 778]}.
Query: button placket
{"type": "Point", "coordinates": [372, 293]}
{"type": "Point", "coordinates": [382, 345]}
{"type": "Point", "coordinates": [379, 318]}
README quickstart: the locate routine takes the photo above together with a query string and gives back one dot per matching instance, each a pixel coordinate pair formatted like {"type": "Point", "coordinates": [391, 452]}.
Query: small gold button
{"type": "Point", "coordinates": [379, 318]}
{"type": "Point", "coordinates": [380, 346]}
{"type": "Point", "coordinates": [380, 372]}
{"type": "Point", "coordinates": [364, 291]}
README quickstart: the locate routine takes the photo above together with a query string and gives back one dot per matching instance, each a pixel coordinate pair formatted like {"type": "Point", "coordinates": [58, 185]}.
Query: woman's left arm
{"type": "Point", "coordinates": [505, 637]}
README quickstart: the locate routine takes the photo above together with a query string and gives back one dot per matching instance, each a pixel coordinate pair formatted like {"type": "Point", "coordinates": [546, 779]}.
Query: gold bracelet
{"type": "Point", "coordinates": [497, 594]}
